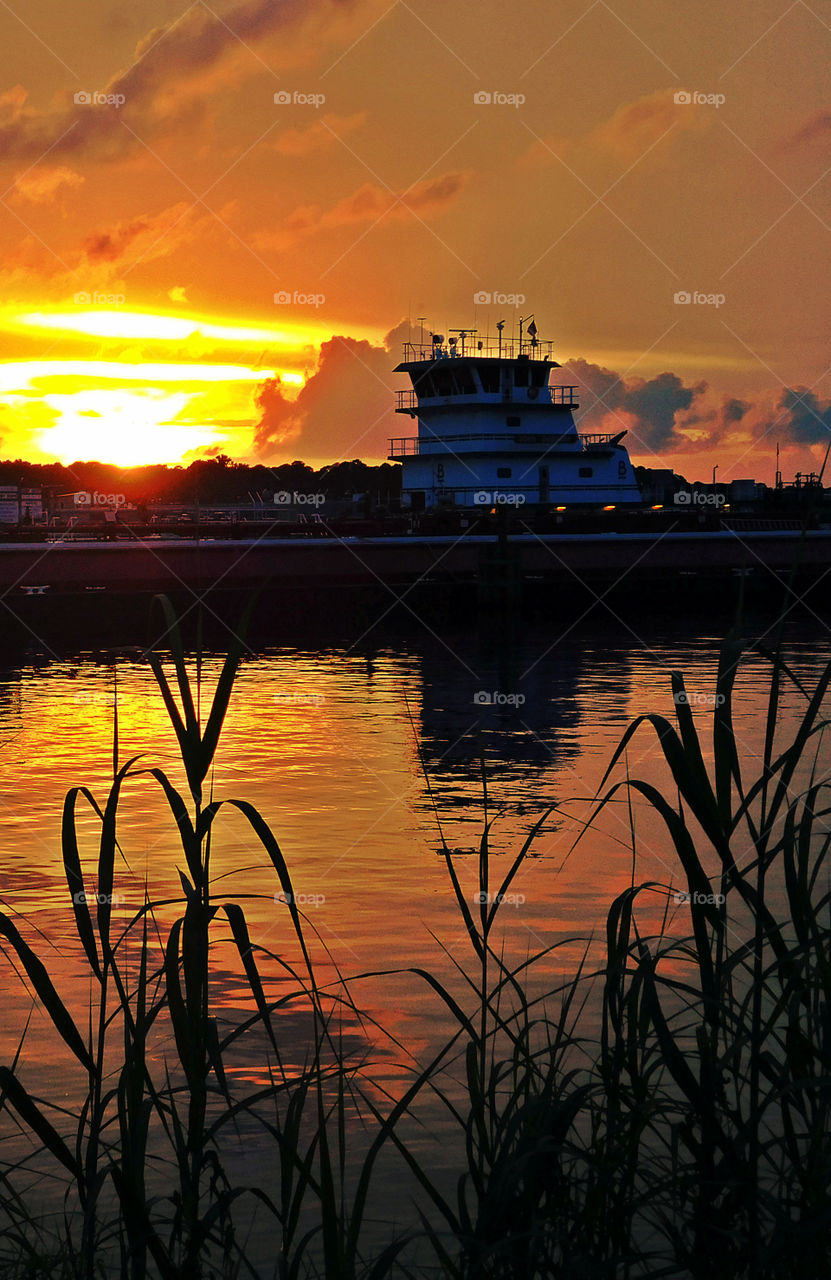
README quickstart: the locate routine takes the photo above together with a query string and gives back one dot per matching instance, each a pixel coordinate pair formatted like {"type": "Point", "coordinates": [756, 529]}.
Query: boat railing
{"type": "Point", "coordinates": [595, 441]}
{"type": "Point", "coordinates": [562, 396]}
{"type": "Point", "coordinates": [404, 447]}
{"type": "Point", "coordinates": [411, 446]}
{"type": "Point", "coordinates": [468, 345]}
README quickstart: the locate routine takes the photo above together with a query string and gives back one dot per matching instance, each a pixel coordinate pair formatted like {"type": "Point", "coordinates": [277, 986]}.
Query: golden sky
{"type": "Point", "coordinates": [218, 220]}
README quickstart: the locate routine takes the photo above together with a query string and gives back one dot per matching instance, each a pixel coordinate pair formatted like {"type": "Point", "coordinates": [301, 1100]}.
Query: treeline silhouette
{"type": "Point", "coordinates": [218, 480]}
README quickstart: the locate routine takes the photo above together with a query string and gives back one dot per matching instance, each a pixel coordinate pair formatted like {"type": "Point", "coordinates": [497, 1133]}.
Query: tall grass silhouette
{"type": "Point", "coordinates": [690, 1136]}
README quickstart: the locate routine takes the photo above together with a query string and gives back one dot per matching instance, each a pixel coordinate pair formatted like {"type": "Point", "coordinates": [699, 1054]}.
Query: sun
{"type": "Point", "coordinates": [137, 387]}
{"type": "Point", "coordinates": [128, 427]}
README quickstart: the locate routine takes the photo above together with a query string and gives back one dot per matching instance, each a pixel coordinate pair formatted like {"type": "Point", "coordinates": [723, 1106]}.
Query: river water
{"type": "Point", "coordinates": [365, 756]}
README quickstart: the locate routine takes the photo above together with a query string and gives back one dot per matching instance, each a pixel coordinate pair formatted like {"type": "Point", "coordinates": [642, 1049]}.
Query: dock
{"type": "Point", "coordinates": [596, 560]}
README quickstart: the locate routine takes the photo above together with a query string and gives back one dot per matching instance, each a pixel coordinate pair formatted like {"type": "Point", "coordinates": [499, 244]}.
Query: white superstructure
{"type": "Point", "coordinates": [492, 431]}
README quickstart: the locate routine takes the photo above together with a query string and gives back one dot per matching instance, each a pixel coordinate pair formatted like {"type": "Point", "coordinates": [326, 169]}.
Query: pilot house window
{"type": "Point", "coordinates": [503, 473]}
{"type": "Point", "coordinates": [457, 381]}
{"type": "Point", "coordinates": [585, 473]}
{"type": "Point", "coordinates": [489, 377]}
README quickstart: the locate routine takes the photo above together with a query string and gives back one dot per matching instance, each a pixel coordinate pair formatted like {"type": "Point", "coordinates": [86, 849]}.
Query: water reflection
{"type": "Point", "coordinates": [331, 744]}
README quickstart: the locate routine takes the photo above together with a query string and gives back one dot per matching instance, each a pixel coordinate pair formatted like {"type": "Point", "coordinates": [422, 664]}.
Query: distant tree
{"type": "Point", "coordinates": [207, 480]}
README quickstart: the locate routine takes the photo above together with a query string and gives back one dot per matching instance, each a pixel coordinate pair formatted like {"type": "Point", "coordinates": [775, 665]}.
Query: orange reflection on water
{"type": "Point", "coordinates": [324, 744]}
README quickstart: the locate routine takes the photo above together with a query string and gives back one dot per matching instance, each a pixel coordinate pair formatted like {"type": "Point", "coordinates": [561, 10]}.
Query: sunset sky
{"type": "Point", "coordinates": [192, 266]}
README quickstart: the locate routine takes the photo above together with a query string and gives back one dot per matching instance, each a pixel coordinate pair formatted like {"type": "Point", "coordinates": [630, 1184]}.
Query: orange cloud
{"type": "Point", "coordinates": [12, 103]}
{"type": "Point", "coordinates": [40, 184]}
{"type": "Point", "coordinates": [167, 85]}
{"type": "Point", "coordinates": [634, 128]}
{"type": "Point", "coordinates": [323, 133]}
{"type": "Point", "coordinates": [817, 128]}
{"type": "Point", "coordinates": [344, 410]}
{"type": "Point", "coordinates": [147, 236]}
{"type": "Point", "coordinates": [637, 126]}
{"type": "Point", "coordinates": [100, 262]}
{"type": "Point", "coordinates": [368, 204]}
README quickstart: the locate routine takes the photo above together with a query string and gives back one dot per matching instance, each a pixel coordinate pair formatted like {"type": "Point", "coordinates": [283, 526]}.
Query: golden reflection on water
{"type": "Point", "coordinates": [326, 745]}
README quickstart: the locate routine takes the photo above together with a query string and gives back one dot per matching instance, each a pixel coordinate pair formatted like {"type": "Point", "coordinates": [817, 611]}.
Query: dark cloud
{"type": "Point", "coordinates": [647, 407]}
{"type": "Point", "coordinates": [803, 417]}
{"type": "Point", "coordinates": [345, 409]}
{"type": "Point", "coordinates": [733, 410]}
{"type": "Point", "coordinates": [171, 64]}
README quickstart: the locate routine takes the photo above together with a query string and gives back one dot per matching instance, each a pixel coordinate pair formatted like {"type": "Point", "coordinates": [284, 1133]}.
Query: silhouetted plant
{"type": "Point", "coordinates": [690, 1138]}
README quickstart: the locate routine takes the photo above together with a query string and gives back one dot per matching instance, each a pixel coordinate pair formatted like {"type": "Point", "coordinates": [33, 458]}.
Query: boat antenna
{"type": "Point", "coordinates": [464, 333]}
{"type": "Point", "coordinates": [499, 327]}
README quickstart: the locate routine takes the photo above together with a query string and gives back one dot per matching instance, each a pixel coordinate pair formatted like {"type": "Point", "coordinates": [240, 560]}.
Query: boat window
{"type": "Point", "coordinates": [489, 377]}
{"type": "Point", "coordinates": [513, 421]}
{"type": "Point", "coordinates": [539, 375]}
{"type": "Point", "coordinates": [443, 382]}
{"type": "Point", "coordinates": [521, 372]}
{"type": "Point", "coordinates": [424, 385]}
{"type": "Point", "coordinates": [503, 473]}
{"type": "Point", "coordinates": [464, 380]}
{"type": "Point", "coordinates": [454, 382]}
{"type": "Point", "coordinates": [585, 473]}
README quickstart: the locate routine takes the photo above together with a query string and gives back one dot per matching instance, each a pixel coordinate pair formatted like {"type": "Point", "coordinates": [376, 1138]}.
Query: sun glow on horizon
{"type": "Point", "coordinates": [118, 323]}
{"type": "Point", "coordinates": [182, 385]}
{"type": "Point", "coordinates": [127, 428]}
{"type": "Point", "coordinates": [18, 377]}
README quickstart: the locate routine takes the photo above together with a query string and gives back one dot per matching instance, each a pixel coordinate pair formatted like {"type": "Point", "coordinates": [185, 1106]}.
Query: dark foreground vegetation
{"type": "Point", "coordinates": [689, 1136]}
{"type": "Point", "coordinates": [207, 480]}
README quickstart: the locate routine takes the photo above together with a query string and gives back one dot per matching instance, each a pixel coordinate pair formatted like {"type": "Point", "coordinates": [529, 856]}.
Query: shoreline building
{"type": "Point", "coordinates": [21, 505]}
